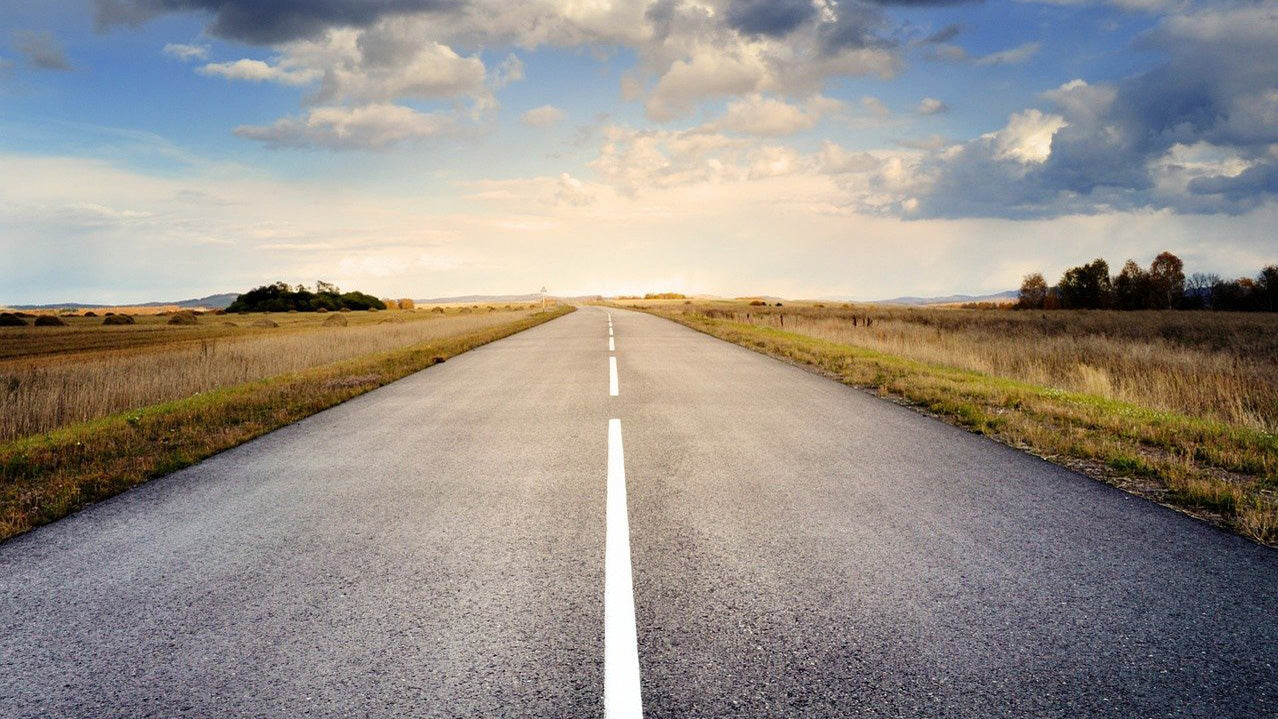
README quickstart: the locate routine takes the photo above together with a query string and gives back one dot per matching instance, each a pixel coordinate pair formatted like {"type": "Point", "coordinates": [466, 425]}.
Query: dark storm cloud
{"type": "Point", "coordinates": [267, 21]}
{"type": "Point", "coordinates": [770, 18]}
{"type": "Point", "coordinates": [41, 50]}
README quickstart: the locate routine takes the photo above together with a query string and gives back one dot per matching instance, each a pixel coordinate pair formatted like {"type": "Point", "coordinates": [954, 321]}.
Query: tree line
{"type": "Point", "coordinates": [1163, 286]}
{"type": "Point", "coordinates": [283, 297]}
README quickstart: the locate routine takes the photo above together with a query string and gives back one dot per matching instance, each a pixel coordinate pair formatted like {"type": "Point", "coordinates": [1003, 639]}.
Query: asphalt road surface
{"type": "Point", "coordinates": [473, 540]}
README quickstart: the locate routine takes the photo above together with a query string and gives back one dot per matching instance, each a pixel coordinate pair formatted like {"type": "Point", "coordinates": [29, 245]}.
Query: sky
{"type": "Point", "coordinates": [166, 149]}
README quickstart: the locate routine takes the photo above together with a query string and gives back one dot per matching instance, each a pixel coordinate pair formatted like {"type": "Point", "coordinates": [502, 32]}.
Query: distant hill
{"type": "Point", "coordinates": [213, 302]}
{"type": "Point", "coordinates": [1004, 296]}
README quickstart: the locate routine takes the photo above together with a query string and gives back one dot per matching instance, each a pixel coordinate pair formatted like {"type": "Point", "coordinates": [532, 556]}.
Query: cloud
{"type": "Point", "coordinates": [1197, 134]}
{"type": "Point", "coordinates": [367, 127]}
{"type": "Point", "coordinates": [773, 18]}
{"type": "Point", "coordinates": [1014, 56]}
{"type": "Point", "coordinates": [953, 54]}
{"type": "Point", "coordinates": [571, 191]}
{"type": "Point", "coordinates": [769, 117]}
{"type": "Point", "coordinates": [187, 53]}
{"type": "Point", "coordinates": [259, 71]}
{"type": "Point", "coordinates": [932, 106]}
{"type": "Point", "coordinates": [542, 117]}
{"type": "Point", "coordinates": [41, 49]}
{"type": "Point", "coordinates": [259, 22]}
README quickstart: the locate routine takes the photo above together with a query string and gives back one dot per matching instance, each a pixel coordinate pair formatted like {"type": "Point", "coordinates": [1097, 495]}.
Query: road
{"type": "Point", "coordinates": [704, 531]}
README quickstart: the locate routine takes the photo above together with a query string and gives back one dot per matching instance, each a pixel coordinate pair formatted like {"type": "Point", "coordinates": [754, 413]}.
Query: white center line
{"type": "Point", "coordinates": [612, 346]}
{"type": "Point", "coordinates": [612, 376]}
{"type": "Point", "coordinates": [622, 696]}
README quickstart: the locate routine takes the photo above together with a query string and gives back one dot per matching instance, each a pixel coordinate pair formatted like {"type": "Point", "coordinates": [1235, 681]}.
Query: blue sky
{"type": "Point", "coordinates": [157, 149]}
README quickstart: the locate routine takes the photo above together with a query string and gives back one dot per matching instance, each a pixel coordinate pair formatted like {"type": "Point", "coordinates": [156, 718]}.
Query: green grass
{"type": "Point", "coordinates": [48, 476]}
{"type": "Point", "coordinates": [1225, 474]}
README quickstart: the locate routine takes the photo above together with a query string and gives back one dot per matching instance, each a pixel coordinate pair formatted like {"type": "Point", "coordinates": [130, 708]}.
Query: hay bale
{"type": "Point", "coordinates": [322, 310]}
{"type": "Point", "coordinates": [114, 319]}
{"type": "Point", "coordinates": [230, 324]}
{"type": "Point", "coordinates": [406, 304]}
{"type": "Point", "coordinates": [392, 320]}
{"type": "Point", "coordinates": [464, 311]}
{"type": "Point", "coordinates": [265, 323]}
{"type": "Point", "coordinates": [336, 321]}
{"type": "Point", "coordinates": [219, 312]}
{"type": "Point", "coordinates": [438, 310]}
{"type": "Point", "coordinates": [345, 309]}
{"type": "Point", "coordinates": [50, 321]}
{"type": "Point", "coordinates": [8, 319]}
{"type": "Point", "coordinates": [90, 313]}
{"type": "Point", "coordinates": [185, 317]}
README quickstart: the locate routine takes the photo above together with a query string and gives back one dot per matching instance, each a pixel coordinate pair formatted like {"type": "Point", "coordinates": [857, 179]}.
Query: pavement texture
{"type": "Point", "coordinates": [799, 548]}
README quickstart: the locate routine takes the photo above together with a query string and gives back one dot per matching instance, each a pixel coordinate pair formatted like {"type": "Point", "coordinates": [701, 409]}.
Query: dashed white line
{"type": "Point", "coordinates": [622, 696]}
{"type": "Point", "coordinates": [612, 345]}
{"type": "Point", "coordinates": [612, 376]}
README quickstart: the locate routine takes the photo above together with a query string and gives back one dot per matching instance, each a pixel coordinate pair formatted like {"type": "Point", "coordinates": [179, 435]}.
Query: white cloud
{"type": "Point", "coordinates": [932, 106]}
{"type": "Point", "coordinates": [366, 127]}
{"type": "Point", "coordinates": [187, 53]}
{"type": "Point", "coordinates": [1027, 137]}
{"type": "Point", "coordinates": [1013, 56]}
{"type": "Point", "coordinates": [542, 117]}
{"type": "Point", "coordinates": [769, 117]}
{"type": "Point", "coordinates": [258, 71]}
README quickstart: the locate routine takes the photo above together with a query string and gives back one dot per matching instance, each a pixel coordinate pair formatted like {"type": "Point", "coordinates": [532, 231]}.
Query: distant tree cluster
{"type": "Point", "coordinates": [1161, 287]}
{"type": "Point", "coordinates": [283, 297]}
{"type": "Point", "coordinates": [664, 296]}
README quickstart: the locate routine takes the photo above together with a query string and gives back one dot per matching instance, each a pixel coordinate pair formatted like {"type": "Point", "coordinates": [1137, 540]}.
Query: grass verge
{"type": "Point", "coordinates": [1222, 473]}
{"type": "Point", "coordinates": [48, 476]}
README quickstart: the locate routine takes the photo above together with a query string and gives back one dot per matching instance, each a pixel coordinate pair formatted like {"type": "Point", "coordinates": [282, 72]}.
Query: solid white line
{"type": "Point", "coordinates": [622, 696]}
{"type": "Point", "coordinates": [612, 346]}
{"type": "Point", "coordinates": [612, 376]}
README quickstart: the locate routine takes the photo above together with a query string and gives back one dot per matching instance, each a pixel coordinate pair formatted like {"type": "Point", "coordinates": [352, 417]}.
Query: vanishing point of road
{"type": "Point", "coordinates": [611, 514]}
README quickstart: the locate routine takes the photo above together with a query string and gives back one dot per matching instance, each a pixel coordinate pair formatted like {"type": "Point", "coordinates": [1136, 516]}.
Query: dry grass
{"type": "Point", "coordinates": [46, 476]}
{"type": "Point", "coordinates": [1178, 407]}
{"type": "Point", "coordinates": [1218, 365]}
{"type": "Point", "coordinates": [148, 363]}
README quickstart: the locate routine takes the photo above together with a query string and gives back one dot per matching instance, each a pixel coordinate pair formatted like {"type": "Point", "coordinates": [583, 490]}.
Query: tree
{"type": "Point", "coordinates": [1033, 291]}
{"type": "Point", "coordinates": [1198, 289]}
{"type": "Point", "coordinates": [1131, 287]}
{"type": "Point", "coordinates": [1267, 288]}
{"type": "Point", "coordinates": [1166, 281]}
{"type": "Point", "coordinates": [326, 288]}
{"type": "Point", "coordinates": [1087, 287]}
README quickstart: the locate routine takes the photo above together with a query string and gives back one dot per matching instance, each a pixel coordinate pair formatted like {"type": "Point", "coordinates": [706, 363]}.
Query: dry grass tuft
{"type": "Point", "coordinates": [186, 317]}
